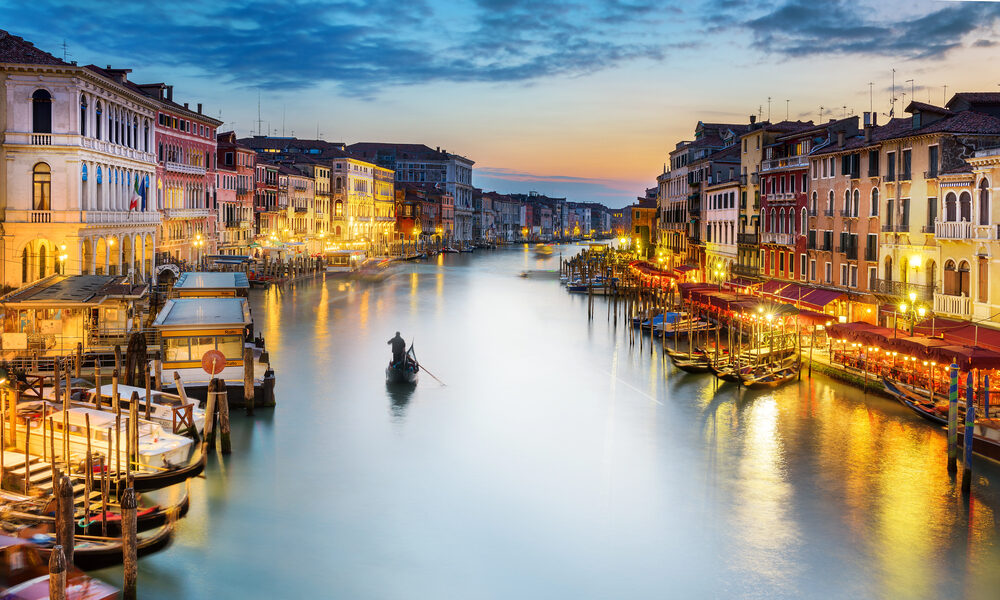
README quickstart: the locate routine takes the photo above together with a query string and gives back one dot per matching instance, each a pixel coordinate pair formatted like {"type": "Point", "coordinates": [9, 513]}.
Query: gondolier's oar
{"type": "Point", "coordinates": [431, 374]}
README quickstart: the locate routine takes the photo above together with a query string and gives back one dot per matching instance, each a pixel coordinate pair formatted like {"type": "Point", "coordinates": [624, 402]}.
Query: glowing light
{"type": "Point", "coordinates": [902, 307]}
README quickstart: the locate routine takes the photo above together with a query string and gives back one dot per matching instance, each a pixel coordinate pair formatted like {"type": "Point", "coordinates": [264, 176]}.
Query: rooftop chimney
{"type": "Point", "coordinates": [185, 105]}
{"type": "Point", "coordinates": [868, 118]}
{"type": "Point", "coordinates": [170, 93]}
{"type": "Point", "coordinates": [753, 119]}
{"type": "Point", "coordinates": [199, 108]}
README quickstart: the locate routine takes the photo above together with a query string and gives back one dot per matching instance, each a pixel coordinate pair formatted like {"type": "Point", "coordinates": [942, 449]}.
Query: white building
{"type": "Point", "coordinates": [77, 151]}
{"type": "Point", "coordinates": [720, 210]}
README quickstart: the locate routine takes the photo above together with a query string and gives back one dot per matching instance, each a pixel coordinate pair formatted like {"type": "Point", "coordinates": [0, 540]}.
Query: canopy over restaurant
{"type": "Point", "coordinates": [211, 284]}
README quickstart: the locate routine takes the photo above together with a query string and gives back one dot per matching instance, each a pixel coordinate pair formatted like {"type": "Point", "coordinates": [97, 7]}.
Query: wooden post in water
{"type": "Point", "coordinates": [118, 358]}
{"type": "Point", "coordinates": [130, 559]}
{"type": "Point", "coordinates": [209, 431]}
{"type": "Point", "coordinates": [57, 574]}
{"type": "Point", "coordinates": [56, 381]}
{"type": "Point", "coordinates": [105, 488]}
{"type": "Point", "coordinates": [65, 524]}
{"type": "Point", "coordinates": [158, 367]}
{"type": "Point", "coordinates": [97, 383]}
{"type": "Point", "coordinates": [88, 480]}
{"type": "Point", "coordinates": [970, 434]}
{"type": "Point", "coordinates": [248, 392]}
{"type": "Point", "coordinates": [953, 420]}
{"type": "Point", "coordinates": [227, 445]}
{"type": "Point", "coordinates": [149, 393]}
{"type": "Point", "coordinates": [12, 414]}
{"type": "Point", "coordinates": [27, 444]}
{"type": "Point", "coordinates": [79, 359]}
{"type": "Point", "coordinates": [812, 342]}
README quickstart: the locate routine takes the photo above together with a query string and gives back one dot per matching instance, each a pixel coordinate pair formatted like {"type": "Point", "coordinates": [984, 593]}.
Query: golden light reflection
{"type": "Point", "coordinates": [272, 316]}
{"type": "Point", "coordinates": [363, 309]}
{"type": "Point", "coordinates": [323, 312]}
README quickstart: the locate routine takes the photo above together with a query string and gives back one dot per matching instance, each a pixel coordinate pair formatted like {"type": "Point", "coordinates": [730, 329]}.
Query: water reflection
{"type": "Point", "coordinates": [399, 397]}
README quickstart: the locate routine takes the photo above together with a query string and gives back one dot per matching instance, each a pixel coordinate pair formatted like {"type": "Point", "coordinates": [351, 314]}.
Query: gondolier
{"type": "Point", "coordinates": [398, 348]}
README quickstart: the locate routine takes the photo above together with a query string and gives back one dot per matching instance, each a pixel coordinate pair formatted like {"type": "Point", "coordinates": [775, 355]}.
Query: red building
{"type": "Point", "coordinates": [265, 199]}
{"type": "Point", "coordinates": [236, 169]}
{"type": "Point", "coordinates": [784, 188]}
{"type": "Point", "coordinates": [186, 188]}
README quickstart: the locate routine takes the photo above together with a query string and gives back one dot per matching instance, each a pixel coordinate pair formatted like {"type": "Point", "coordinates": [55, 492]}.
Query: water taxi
{"type": "Point", "coordinates": [343, 261]}
{"type": "Point", "coordinates": [168, 410]}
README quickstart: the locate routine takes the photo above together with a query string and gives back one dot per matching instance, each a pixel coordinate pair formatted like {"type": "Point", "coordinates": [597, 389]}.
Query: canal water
{"type": "Point", "coordinates": [557, 462]}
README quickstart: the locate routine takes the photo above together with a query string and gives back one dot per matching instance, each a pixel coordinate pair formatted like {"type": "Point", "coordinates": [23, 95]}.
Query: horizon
{"type": "Point", "coordinates": [531, 92]}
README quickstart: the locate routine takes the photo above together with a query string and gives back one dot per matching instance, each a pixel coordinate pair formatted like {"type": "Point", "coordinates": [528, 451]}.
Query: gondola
{"type": "Point", "coordinates": [726, 372]}
{"type": "Point", "coordinates": [94, 552]}
{"type": "Point", "coordinates": [698, 352]}
{"type": "Point", "coordinates": [405, 373]}
{"type": "Point", "coordinates": [917, 403]}
{"type": "Point", "coordinates": [691, 365]}
{"type": "Point", "coordinates": [147, 481]}
{"type": "Point", "coordinates": [769, 379]}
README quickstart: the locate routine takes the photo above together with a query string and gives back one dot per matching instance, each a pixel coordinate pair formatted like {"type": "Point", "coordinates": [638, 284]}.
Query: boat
{"type": "Point", "coordinates": [543, 250]}
{"type": "Point", "coordinates": [95, 552]}
{"type": "Point", "coordinates": [169, 410]}
{"type": "Point", "coordinates": [448, 250]}
{"type": "Point", "coordinates": [932, 411]}
{"type": "Point", "coordinates": [697, 352]}
{"type": "Point", "coordinates": [343, 261]}
{"type": "Point", "coordinates": [690, 364]}
{"type": "Point", "coordinates": [405, 373]}
{"type": "Point", "coordinates": [467, 249]}
{"type": "Point", "coordinates": [768, 379]}
{"type": "Point", "coordinates": [163, 458]}
{"type": "Point", "coordinates": [26, 575]}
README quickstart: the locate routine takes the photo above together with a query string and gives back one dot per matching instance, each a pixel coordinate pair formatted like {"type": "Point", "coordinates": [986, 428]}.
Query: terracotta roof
{"type": "Point", "coordinates": [405, 151]}
{"type": "Point", "coordinates": [924, 107]}
{"type": "Point", "coordinates": [19, 51]}
{"type": "Point", "coordinates": [962, 168]}
{"type": "Point", "coordinates": [976, 98]}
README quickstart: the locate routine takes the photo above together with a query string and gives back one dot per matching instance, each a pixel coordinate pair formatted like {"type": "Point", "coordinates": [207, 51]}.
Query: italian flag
{"type": "Point", "coordinates": [134, 199]}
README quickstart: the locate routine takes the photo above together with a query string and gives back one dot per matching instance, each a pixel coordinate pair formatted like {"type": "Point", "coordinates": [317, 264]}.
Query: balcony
{"type": "Point", "coordinates": [747, 239]}
{"type": "Point", "coordinates": [927, 229]}
{"type": "Point", "coordinates": [871, 254]}
{"type": "Point", "coordinates": [851, 252]}
{"type": "Point", "coordinates": [240, 191]}
{"type": "Point", "coordinates": [901, 289]}
{"type": "Point", "coordinates": [848, 214]}
{"type": "Point", "coordinates": [827, 212]}
{"type": "Point", "coordinates": [931, 174]}
{"type": "Point", "coordinates": [41, 139]}
{"type": "Point", "coordinates": [986, 232]}
{"type": "Point", "coordinates": [952, 230]}
{"type": "Point", "coordinates": [783, 239]}
{"type": "Point", "coordinates": [186, 213]}
{"type": "Point", "coordinates": [790, 162]}
{"type": "Point", "coordinates": [813, 212]}
{"type": "Point", "coordinates": [115, 149]}
{"type": "Point", "coordinates": [301, 209]}
{"type": "Point", "coordinates": [745, 271]}
{"type": "Point", "coordinates": [782, 197]}
{"type": "Point", "coordinates": [887, 229]}
{"type": "Point", "coordinates": [959, 306]}
{"type": "Point", "coordinates": [176, 167]}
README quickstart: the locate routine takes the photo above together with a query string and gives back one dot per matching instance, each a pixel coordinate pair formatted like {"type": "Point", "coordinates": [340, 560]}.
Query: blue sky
{"type": "Point", "coordinates": [572, 98]}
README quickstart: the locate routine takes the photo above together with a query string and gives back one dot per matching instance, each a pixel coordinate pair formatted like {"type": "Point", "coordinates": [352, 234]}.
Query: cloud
{"type": "Point", "coordinates": [361, 46]}
{"type": "Point", "coordinates": [809, 28]}
{"type": "Point", "coordinates": [610, 192]}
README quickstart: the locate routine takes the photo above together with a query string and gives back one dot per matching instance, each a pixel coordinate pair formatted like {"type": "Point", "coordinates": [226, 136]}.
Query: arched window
{"type": "Point", "coordinates": [887, 270]}
{"type": "Point", "coordinates": [965, 207]}
{"type": "Point", "coordinates": [950, 214]}
{"type": "Point", "coordinates": [829, 206]}
{"type": "Point", "coordinates": [135, 133]}
{"type": "Point", "coordinates": [855, 210]}
{"type": "Point", "coordinates": [97, 121]}
{"type": "Point", "coordinates": [41, 261]}
{"type": "Point", "coordinates": [41, 179]}
{"type": "Point", "coordinates": [805, 221]}
{"type": "Point", "coordinates": [41, 112]}
{"type": "Point", "coordinates": [950, 278]}
{"type": "Point", "coordinates": [145, 137]}
{"type": "Point", "coordinates": [963, 279]}
{"type": "Point", "coordinates": [874, 208]}
{"type": "Point", "coordinates": [847, 201]}
{"type": "Point", "coordinates": [24, 265]}
{"type": "Point", "coordinates": [815, 202]}
{"type": "Point", "coordinates": [984, 202]}
{"type": "Point", "coordinates": [791, 220]}
{"type": "Point", "coordinates": [338, 208]}
{"type": "Point", "coordinates": [83, 115]}
{"type": "Point", "coordinates": [983, 274]}
{"type": "Point", "coordinates": [763, 220]}
{"type": "Point", "coordinates": [781, 221]}
{"type": "Point", "coordinates": [774, 226]}
{"type": "Point", "coordinates": [932, 275]}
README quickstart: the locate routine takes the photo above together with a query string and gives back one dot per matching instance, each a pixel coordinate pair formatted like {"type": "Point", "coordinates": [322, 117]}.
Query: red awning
{"type": "Point", "coordinates": [684, 268]}
{"type": "Point", "coordinates": [818, 299]}
{"type": "Point", "coordinates": [794, 292]}
{"type": "Point", "coordinates": [771, 286]}
{"type": "Point", "coordinates": [918, 346]}
{"type": "Point", "coordinates": [815, 318]}
{"type": "Point", "coordinates": [966, 357]}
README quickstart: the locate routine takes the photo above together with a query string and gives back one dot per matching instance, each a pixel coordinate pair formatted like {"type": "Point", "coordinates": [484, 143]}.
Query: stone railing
{"type": "Point", "coordinates": [985, 232]}
{"type": "Point", "coordinates": [176, 167]}
{"type": "Point", "coordinates": [121, 216]}
{"type": "Point", "coordinates": [960, 306]}
{"type": "Point", "coordinates": [784, 163]}
{"type": "Point", "coordinates": [952, 230]}
{"type": "Point", "coordinates": [186, 213]}
{"type": "Point", "coordinates": [115, 149]}
{"type": "Point", "coordinates": [784, 239]}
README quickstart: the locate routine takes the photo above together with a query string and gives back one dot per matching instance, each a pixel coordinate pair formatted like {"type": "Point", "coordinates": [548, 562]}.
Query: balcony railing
{"type": "Point", "coordinates": [745, 271]}
{"type": "Point", "coordinates": [186, 213]}
{"type": "Point", "coordinates": [931, 174]}
{"type": "Point", "coordinates": [871, 254]}
{"type": "Point", "coordinates": [887, 229]}
{"type": "Point", "coordinates": [41, 139]}
{"type": "Point", "coordinates": [782, 197]}
{"type": "Point", "coordinates": [927, 229]}
{"type": "Point", "coordinates": [902, 289]}
{"type": "Point", "coordinates": [986, 232]}
{"type": "Point", "coordinates": [784, 163]}
{"type": "Point", "coordinates": [813, 212]}
{"type": "Point", "coordinates": [40, 216]}
{"type": "Point", "coordinates": [176, 167]}
{"type": "Point", "coordinates": [827, 212]}
{"type": "Point", "coordinates": [952, 230]}
{"type": "Point", "coordinates": [784, 239]}
{"type": "Point", "coordinates": [747, 239]}
{"type": "Point", "coordinates": [848, 214]}
{"type": "Point", "coordinates": [959, 306]}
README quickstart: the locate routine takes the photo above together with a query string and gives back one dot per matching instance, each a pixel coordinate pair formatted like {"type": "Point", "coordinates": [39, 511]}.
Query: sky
{"type": "Point", "coordinates": [575, 98]}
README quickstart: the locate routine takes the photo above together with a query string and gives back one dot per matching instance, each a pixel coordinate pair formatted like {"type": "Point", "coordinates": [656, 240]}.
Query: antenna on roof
{"type": "Point", "coordinates": [259, 121]}
{"type": "Point", "coordinates": [944, 98]}
{"type": "Point", "coordinates": [845, 111]}
{"type": "Point", "coordinates": [282, 120]}
{"type": "Point", "coordinates": [65, 50]}
{"type": "Point", "coordinates": [892, 102]}
{"type": "Point", "coordinates": [768, 108]}
{"type": "Point", "coordinates": [760, 112]}
{"type": "Point", "coordinates": [871, 97]}
{"type": "Point", "coordinates": [786, 109]}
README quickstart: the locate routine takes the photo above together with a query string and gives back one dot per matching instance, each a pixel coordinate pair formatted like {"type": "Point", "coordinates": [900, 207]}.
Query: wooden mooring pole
{"type": "Point", "coordinates": [953, 421]}
{"type": "Point", "coordinates": [970, 426]}
{"type": "Point", "coordinates": [130, 560]}
{"type": "Point", "coordinates": [57, 574]}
